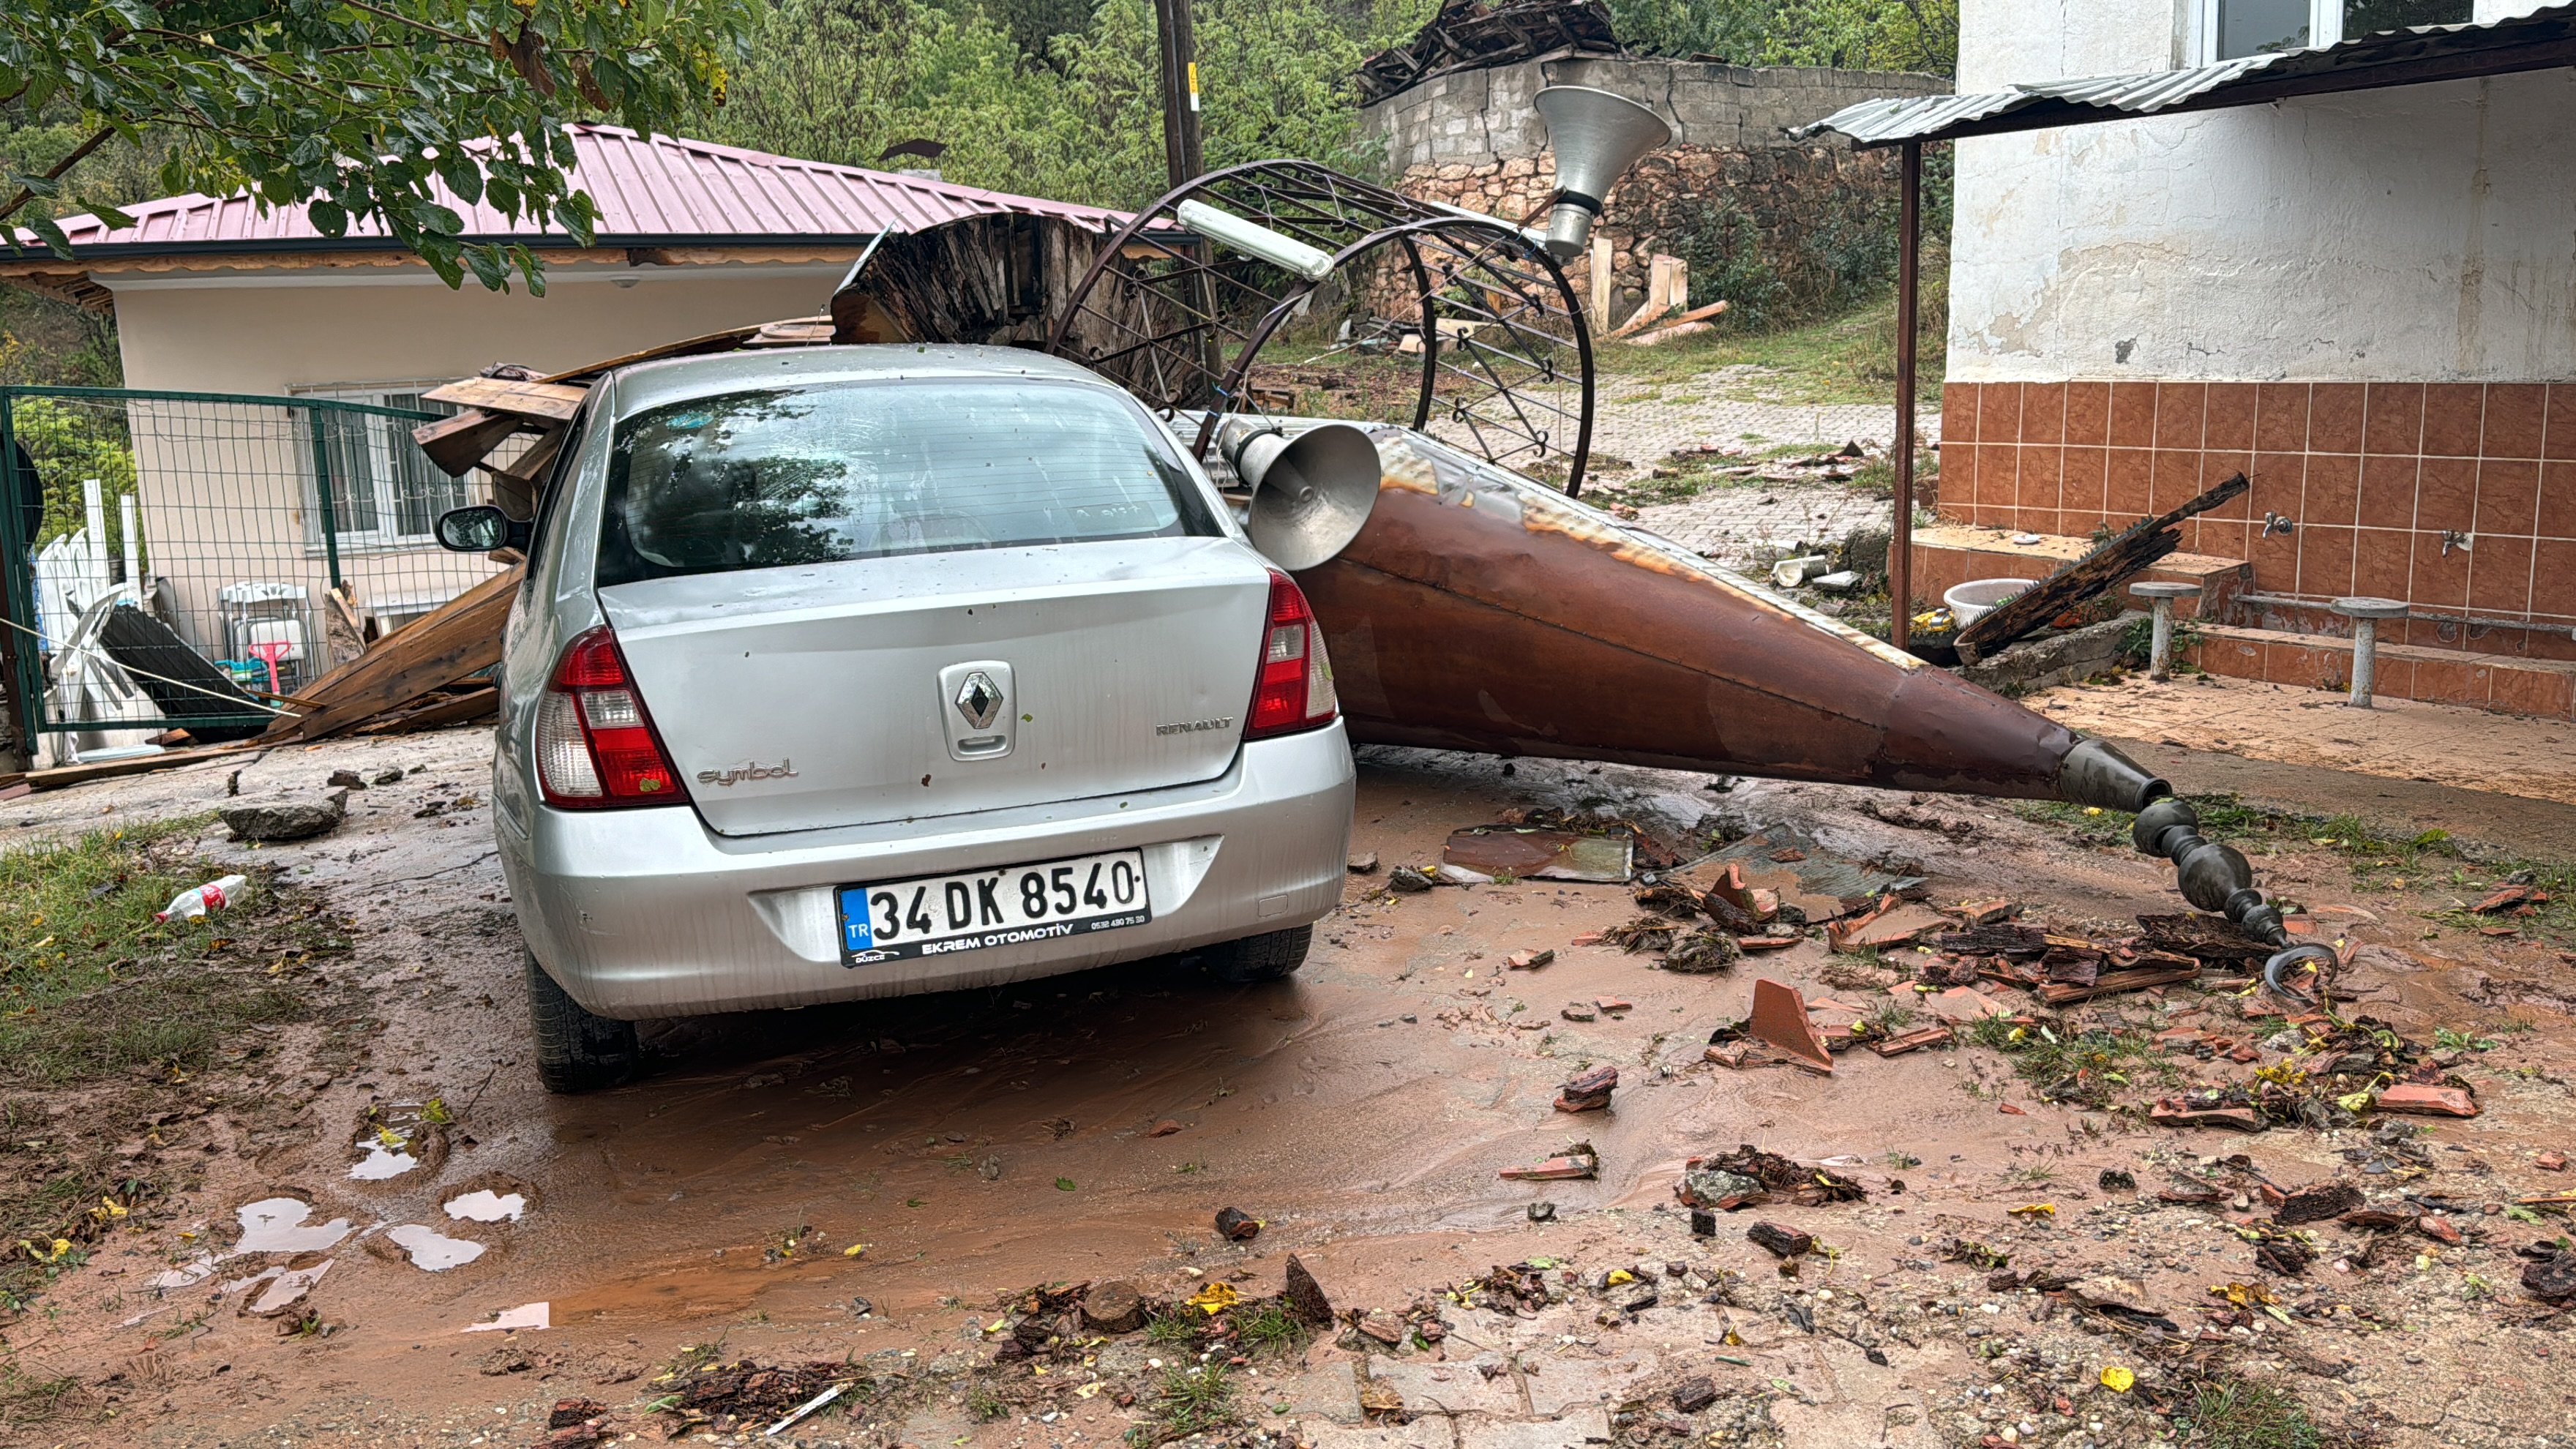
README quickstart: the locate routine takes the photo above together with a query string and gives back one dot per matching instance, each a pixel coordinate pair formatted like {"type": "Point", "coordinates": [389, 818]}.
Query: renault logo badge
{"type": "Point", "coordinates": [979, 699]}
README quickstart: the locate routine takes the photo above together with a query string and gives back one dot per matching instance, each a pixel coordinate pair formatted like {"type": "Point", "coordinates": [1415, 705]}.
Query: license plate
{"type": "Point", "coordinates": [935, 915]}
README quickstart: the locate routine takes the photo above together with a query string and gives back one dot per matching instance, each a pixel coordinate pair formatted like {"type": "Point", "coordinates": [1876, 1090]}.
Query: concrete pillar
{"type": "Point", "coordinates": [2160, 653]}
{"type": "Point", "coordinates": [2365, 614]}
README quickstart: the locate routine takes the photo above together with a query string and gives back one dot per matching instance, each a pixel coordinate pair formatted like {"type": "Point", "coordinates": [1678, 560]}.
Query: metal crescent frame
{"type": "Point", "coordinates": [1488, 244]}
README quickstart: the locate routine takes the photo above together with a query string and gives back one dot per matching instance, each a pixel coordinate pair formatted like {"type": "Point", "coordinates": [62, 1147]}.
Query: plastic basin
{"type": "Point", "coordinates": [1977, 597]}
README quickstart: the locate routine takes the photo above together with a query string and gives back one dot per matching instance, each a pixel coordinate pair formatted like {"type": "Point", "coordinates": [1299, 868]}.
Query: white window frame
{"type": "Point", "coordinates": [2325, 27]}
{"type": "Point", "coordinates": [387, 536]}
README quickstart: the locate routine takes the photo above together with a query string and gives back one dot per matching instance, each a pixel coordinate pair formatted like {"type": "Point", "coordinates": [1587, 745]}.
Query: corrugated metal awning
{"type": "Point", "coordinates": [2542, 40]}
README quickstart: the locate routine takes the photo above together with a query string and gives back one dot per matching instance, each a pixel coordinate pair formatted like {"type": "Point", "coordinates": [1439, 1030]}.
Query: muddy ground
{"type": "Point", "coordinates": [1090, 1127]}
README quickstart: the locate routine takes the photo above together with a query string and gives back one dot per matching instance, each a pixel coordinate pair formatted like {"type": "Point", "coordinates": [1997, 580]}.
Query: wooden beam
{"type": "Point", "coordinates": [514, 488]}
{"type": "Point", "coordinates": [439, 648]}
{"type": "Point", "coordinates": [554, 402]}
{"type": "Point", "coordinates": [456, 444]}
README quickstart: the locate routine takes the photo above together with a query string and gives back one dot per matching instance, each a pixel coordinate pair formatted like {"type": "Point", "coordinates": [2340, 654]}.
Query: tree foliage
{"type": "Point", "coordinates": [357, 109]}
{"type": "Point", "coordinates": [841, 80]}
{"type": "Point", "coordinates": [1916, 35]}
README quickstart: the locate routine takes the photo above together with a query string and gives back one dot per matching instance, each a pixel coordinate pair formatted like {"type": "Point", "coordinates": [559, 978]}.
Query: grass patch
{"type": "Point", "coordinates": [2242, 1414]}
{"type": "Point", "coordinates": [27, 1399]}
{"type": "Point", "coordinates": [1192, 1401]}
{"type": "Point", "coordinates": [106, 1015]}
{"type": "Point", "coordinates": [2378, 859]}
{"type": "Point", "coordinates": [1171, 1328]}
{"type": "Point", "coordinates": [982, 1404]}
{"type": "Point", "coordinates": [2086, 1067]}
{"type": "Point", "coordinates": [1271, 1326]}
{"type": "Point", "coordinates": [92, 986]}
{"type": "Point", "coordinates": [1846, 359]}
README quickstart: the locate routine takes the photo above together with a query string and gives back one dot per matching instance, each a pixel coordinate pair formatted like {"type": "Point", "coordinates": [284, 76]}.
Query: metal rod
{"type": "Point", "coordinates": [18, 670]}
{"type": "Point", "coordinates": [1909, 270]}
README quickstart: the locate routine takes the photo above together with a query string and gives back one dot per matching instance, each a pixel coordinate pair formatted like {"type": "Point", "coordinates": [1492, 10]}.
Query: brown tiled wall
{"type": "Point", "coordinates": [2372, 472]}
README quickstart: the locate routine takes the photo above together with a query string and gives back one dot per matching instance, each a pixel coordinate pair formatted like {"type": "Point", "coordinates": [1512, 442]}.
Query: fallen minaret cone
{"type": "Point", "coordinates": [1479, 610]}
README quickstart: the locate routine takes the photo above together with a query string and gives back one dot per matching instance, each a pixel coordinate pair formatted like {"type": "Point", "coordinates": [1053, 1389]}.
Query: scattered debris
{"type": "Point", "coordinates": [1692, 1395]}
{"type": "Point", "coordinates": [214, 895]}
{"type": "Point", "coordinates": [1523, 852]}
{"type": "Point", "coordinates": [1779, 1021]}
{"type": "Point", "coordinates": [1915, 1040]}
{"type": "Point", "coordinates": [1364, 864]}
{"type": "Point", "coordinates": [1529, 960]}
{"type": "Point", "coordinates": [1409, 880]}
{"type": "Point", "coordinates": [287, 817]}
{"type": "Point", "coordinates": [1237, 1225]}
{"type": "Point", "coordinates": [1579, 1011]}
{"type": "Point", "coordinates": [1780, 1241]}
{"type": "Point", "coordinates": [1117, 1307]}
{"type": "Point", "coordinates": [2316, 1204]}
{"type": "Point", "coordinates": [1589, 1091]}
{"type": "Point", "coordinates": [1304, 1296]}
{"type": "Point", "coordinates": [1577, 1162]}
{"type": "Point", "coordinates": [2428, 1099]}
{"type": "Point", "coordinates": [1703, 952]}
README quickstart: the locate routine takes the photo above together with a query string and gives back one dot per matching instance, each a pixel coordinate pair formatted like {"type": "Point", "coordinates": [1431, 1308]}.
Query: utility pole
{"type": "Point", "coordinates": [1178, 43]}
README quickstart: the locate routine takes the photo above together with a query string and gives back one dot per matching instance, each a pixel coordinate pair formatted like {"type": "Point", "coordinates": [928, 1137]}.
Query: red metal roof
{"type": "Point", "coordinates": [650, 190]}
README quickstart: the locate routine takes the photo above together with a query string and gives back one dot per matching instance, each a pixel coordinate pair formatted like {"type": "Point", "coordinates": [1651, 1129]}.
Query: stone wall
{"type": "Point", "coordinates": [1483, 117]}
{"type": "Point", "coordinates": [1730, 211]}
{"type": "Point", "coordinates": [1749, 207]}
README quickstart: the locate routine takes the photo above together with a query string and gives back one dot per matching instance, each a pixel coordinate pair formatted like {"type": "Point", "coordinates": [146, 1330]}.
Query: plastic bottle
{"type": "Point", "coordinates": [214, 895]}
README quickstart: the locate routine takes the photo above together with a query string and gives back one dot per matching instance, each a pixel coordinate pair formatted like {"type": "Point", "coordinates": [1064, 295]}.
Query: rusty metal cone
{"type": "Point", "coordinates": [1479, 610]}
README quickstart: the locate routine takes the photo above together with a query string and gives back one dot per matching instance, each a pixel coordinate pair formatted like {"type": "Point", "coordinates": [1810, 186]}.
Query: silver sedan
{"type": "Point", "coordinates": [865, 671]}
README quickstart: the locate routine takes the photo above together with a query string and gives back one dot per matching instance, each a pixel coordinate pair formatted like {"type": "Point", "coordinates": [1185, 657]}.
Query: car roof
{"type": "Point", "coordinates": [652, 384]}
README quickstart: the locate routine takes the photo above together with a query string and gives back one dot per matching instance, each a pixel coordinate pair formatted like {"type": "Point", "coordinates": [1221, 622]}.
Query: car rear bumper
{"type": "Point", "coordinates": [647, 913]}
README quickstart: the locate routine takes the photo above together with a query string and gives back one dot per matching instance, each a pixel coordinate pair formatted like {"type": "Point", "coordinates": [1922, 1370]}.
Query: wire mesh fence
{"type": "Point", "coordinates": [180, 561]}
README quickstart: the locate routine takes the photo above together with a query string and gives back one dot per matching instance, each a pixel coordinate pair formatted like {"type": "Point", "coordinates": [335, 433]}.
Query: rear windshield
{"type": "Point", "coordinates": [756, 480]}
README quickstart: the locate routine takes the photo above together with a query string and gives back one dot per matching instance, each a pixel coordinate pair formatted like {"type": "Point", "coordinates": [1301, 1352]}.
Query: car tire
{"type": "Point", "coordinates": [1255, 959]}
{"type": "Point", "coordinates": [576, 1051]}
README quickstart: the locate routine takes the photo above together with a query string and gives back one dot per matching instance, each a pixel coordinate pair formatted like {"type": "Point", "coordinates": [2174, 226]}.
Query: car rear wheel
{"type": "Point", "coordinates": [576, 1051]}
{"type": "Point", "coordinates": [1259, 958]}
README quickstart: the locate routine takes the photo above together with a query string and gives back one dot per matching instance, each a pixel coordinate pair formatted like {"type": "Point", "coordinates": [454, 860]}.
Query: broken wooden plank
{"type": "Point", "coordinates": [62, 775]}
{"type": "Point", "coordinates": [2130, 552]}
{"type": "Point", "coordinates": [441, 647]}
{"type": "Point", "coordinates": [725, 341]}
{"type": "Point", "coordinates": [2154, 970]}
{"type": "Point", "coordinates": [456, 444]}
{"type": "Point", "coordinates": [437, 714]}
{"type": "Point", "coordinates": [514, 488]}
{"type": "Point", "coordinates": [554, 402]}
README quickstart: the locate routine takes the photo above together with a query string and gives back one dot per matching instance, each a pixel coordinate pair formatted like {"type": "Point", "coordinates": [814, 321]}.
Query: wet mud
{"type": "Point", "coordinates": [854, 1181]}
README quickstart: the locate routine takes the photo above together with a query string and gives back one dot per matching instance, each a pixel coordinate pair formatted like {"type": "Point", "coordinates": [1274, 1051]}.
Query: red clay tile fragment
{"type": "Point", "coordinates": [1780, 1022]}
{"type": "Point", "coordinates": [2429, 1101]}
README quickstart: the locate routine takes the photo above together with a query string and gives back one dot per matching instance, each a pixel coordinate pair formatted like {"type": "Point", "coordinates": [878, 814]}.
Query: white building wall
{"type": "Point", "coordinates": [2423, 233]}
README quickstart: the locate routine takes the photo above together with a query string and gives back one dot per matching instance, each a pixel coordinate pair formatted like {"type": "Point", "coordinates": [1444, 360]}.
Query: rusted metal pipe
{"type": "Point", "coordinates": [1909, 287]}
{"type": "Point", "coordinates": [1479, 610]}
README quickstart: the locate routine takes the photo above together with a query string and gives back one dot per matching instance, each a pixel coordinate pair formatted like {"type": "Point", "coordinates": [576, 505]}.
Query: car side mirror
{"type": "Point", "coordinates": [480, 529]}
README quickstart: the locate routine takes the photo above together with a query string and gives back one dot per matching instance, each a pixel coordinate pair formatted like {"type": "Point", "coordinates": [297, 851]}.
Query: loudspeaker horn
{"type": "Point", "coordinates": [1597, 136]}
{"type": "Point", "coordinates": [1311, 494]}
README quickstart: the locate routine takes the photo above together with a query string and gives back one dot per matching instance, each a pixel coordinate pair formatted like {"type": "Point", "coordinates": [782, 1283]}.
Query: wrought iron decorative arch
{"type": "Point", "coordinates": [1506, 359]}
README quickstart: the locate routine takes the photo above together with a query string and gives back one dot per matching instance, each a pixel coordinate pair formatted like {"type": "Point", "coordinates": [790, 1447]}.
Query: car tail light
{"type": "Point", "coordinates": [595, 745]}
{"type": "Point", "coordinates": [1294, 690]}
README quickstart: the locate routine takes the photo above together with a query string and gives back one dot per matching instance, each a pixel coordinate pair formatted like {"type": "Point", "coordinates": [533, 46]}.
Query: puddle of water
{"type": "Point", "coordinates": [432, 1250]}
{"type": "Point", "coordinates": [382, 1162]}
{"type": "Point", "coordinates": [194, 1271]}
{"type": "Point", "coordinates": [276, 1225]}
{"type": "Point", "coordinates": [526, 1315]}
{"type": "Point", "coordinates": [286, 1289]}
{"type": "Point", "coordinates": [483, 1205]}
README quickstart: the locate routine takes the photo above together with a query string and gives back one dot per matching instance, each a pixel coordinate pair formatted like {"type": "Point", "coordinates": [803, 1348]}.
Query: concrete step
{"type": "Point", "coordinates": [2505, 683]}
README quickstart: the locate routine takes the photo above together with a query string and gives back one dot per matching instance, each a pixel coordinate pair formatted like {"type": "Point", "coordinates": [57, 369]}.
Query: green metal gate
{"type": "Point", "coordinates": [182, 560]}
